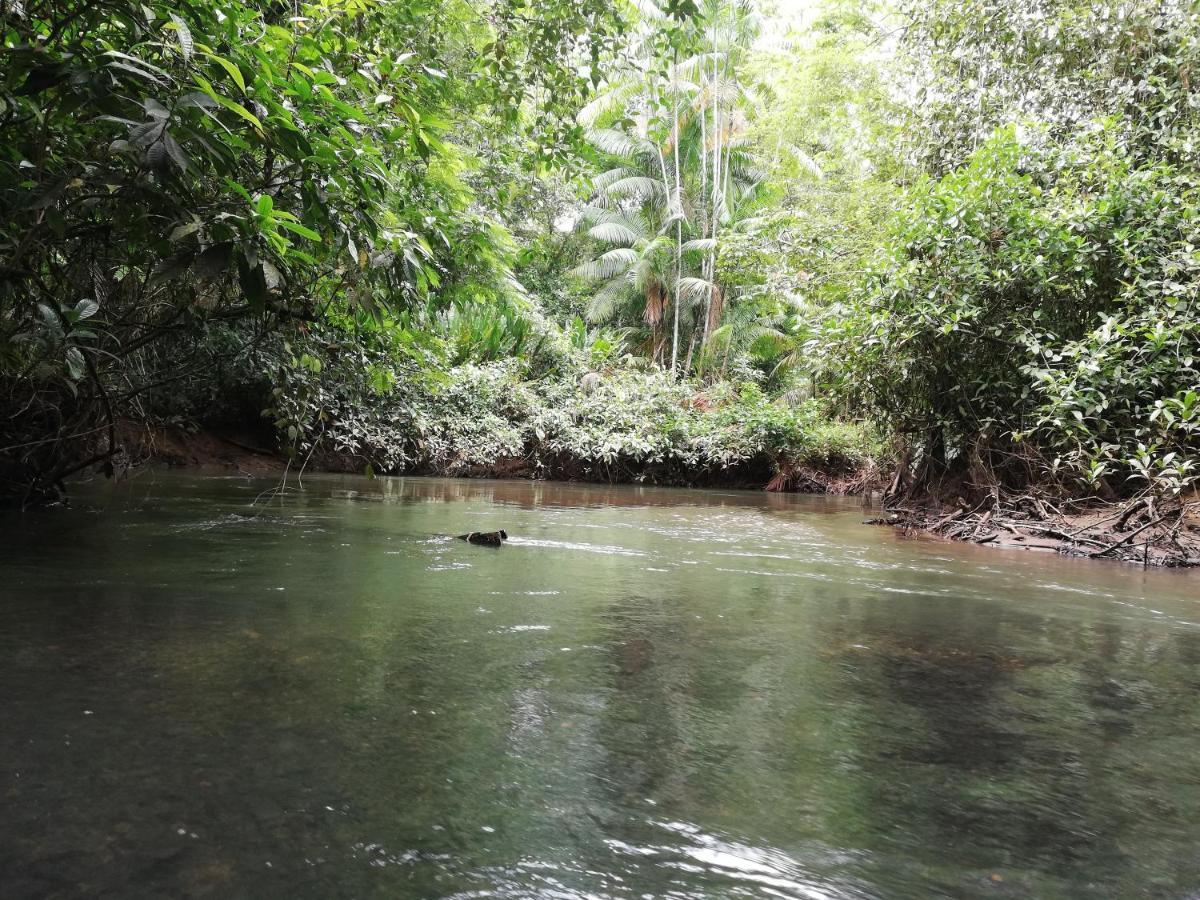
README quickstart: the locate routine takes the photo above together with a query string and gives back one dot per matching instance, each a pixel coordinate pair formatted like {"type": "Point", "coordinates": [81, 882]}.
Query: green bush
{"type": "Point", "coordinates": [1033, 316]}
{"type": "Point", "coordinates": [621, 424]}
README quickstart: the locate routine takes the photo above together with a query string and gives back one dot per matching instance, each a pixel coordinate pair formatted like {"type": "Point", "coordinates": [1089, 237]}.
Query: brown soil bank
{"type": "Point", "coordinates": [1147, 531]}
{"type": "Point", "coordinates": [182, 447]}
{"type": "Point", "coordinates": [760, 473]}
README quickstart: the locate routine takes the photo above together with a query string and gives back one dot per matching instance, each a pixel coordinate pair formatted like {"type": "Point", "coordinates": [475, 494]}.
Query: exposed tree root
{"type": "Point", "coordinates": [834, 478]}
{"type": "Point", "coordinates": [1145, 530]}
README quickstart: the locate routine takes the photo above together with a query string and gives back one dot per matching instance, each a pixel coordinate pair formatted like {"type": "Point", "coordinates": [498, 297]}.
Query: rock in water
{"type": "Point", "coordinates": [485, 538]}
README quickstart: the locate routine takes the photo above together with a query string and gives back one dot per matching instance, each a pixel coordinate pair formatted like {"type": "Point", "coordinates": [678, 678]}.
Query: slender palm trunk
{"type": "Point", "coordinates": [678, 211]}
{"type": "Point", "coordinates": [703, 158]}
{"type": "Point", "coordinates": [666, 295]}
{"type": "Point", "coordinates": [706, 268]}
{"type": "Point", "coordinates": [687, 363]}
{"type": "Point", "coordinates": [709, 324]}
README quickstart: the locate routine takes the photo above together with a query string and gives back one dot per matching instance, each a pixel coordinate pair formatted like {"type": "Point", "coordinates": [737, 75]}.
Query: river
{"type": "Point", "coordinates": [646, 693]}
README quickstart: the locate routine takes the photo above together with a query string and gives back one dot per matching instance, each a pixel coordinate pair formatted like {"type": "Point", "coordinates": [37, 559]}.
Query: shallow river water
{"type": "Point", "coordinates": [647, 693]}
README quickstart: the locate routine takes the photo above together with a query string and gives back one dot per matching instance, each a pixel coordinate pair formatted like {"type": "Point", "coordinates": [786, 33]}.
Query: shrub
{"type": "Point", "coordinates": [1034, 316]}
{"type": "Point", "coordinates": [396, 411]}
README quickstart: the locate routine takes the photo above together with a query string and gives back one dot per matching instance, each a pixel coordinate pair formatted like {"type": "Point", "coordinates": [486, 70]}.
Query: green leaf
{"type": "Point", "coordinates": [75, 363]}
{"type": "Point", "coordinates": [236, 107]}
{"type": "Point", "coordinates": [297, 228]}
{"type": "Point", "coordinates": [234, 72]}
{"type": "Point", "coordinates": [175, 152]}
{"type": "Point", "coordinates": [182, 231]}
{"type": "Point", "coordinates": [117, 64]}
{"type": "Point", "coordinates": [186, 44]}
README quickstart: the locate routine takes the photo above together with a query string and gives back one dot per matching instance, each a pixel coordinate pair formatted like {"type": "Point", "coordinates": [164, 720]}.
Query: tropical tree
{"type": "Point", "coordinates": [676, 168]}
{"type": "Point", "coordinates": [825, 129]}
{"type": "Point", "coordinates": [174, 168]}
{"type": "Point", "coordinates": [1030, 319]}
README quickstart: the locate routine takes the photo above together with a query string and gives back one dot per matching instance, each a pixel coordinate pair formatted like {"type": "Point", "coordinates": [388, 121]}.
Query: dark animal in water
{"type": "Point", "coordinates": [485, 538]}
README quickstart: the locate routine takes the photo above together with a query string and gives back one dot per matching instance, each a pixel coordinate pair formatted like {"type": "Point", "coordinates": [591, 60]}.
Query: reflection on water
{"type": "Point", "coordinates": [646, 693]}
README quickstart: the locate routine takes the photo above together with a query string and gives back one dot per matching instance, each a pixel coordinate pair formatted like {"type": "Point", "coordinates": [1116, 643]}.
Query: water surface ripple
{"type": "Point", "coordinates": [647, 693]}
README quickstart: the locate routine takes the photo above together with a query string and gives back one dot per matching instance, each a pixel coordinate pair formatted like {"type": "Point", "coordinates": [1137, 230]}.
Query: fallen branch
{"type": "Point", "coordinates": [1129, 537]}
{"type": "Point", "coordinates": [1046, 531]}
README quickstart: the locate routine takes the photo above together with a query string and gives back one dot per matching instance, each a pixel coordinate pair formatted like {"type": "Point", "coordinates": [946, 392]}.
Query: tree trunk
{"type": "Point", "coordinates": [678, 211]}
{"type": "Point", "coordinates": [703, 210]}
{"type": "Point", "coordinates": [716, 176]}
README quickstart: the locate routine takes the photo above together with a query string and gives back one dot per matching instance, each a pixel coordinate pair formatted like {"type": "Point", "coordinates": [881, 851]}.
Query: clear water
{"type": "Point", "coordinates": [646, 693]}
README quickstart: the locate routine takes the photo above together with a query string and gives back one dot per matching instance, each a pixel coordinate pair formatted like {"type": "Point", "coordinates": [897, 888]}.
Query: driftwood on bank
{"type": "Point", "coordinates": [1008, 496]}
{"type": "Point", "coordinates": [1144, 530]}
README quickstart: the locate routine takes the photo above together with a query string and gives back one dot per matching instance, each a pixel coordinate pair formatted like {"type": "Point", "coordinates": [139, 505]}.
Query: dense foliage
{"type": "Point", "coordinates": [1033, 314]}
{"type": "Point", "coordinates": [370, 407]}
{"type": "Point", "coordinates": [168, 166]}
{"type": "Point", "coordinates": [685, 242]}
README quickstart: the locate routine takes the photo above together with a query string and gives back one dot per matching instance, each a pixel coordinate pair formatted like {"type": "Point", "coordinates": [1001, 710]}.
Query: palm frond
{"type": "Point", "coordinates": [806, 161]}
{"type": "Point", "coordinates": [645, 273]}
{"type": "Point", "coordinates": [596, 215]}
{"type": "Point", "coordinates": [701, 63]}
{"type": "Point", "coordinates": [601, 182]}
{"type": "Point", "coordinates": [721, 336]}
{"type": "Point", "coordinates": [606, 302]}
{"type": "Point", "coordinates": [608, 102]}
{"type": "Point", "coordinates": [660, 246]}
{"type": "Point", "coordinates": [614, 233]}
{"type": "Point", "coordinates": [674, 215]}
{"type": "Point", "coordinates": [607, 265]}
{"type": "Point", "coordinates": [618, 143]}
{"type": "Point", "coordinates": [694, 291]}
{"type": "Point", "coordinates": [638, 186]}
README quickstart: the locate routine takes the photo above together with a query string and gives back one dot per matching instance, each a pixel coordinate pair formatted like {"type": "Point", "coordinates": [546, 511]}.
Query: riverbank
{"type": "Point", "coordinates": [1143, 531]}
{"type": "Point", "coordinates": [1165, 534]}
{"type": "Point", "coordinates": [245, 453]}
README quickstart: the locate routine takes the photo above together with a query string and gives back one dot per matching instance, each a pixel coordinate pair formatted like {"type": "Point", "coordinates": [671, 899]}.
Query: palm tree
{"type": "Point", "coordinates": [679, 167]}
{"type": "Point", "coordinates": [635, 275]}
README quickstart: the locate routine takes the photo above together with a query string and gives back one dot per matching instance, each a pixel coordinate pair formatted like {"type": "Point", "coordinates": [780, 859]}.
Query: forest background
{"type": "Point", "coordinates": [950, 248]}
